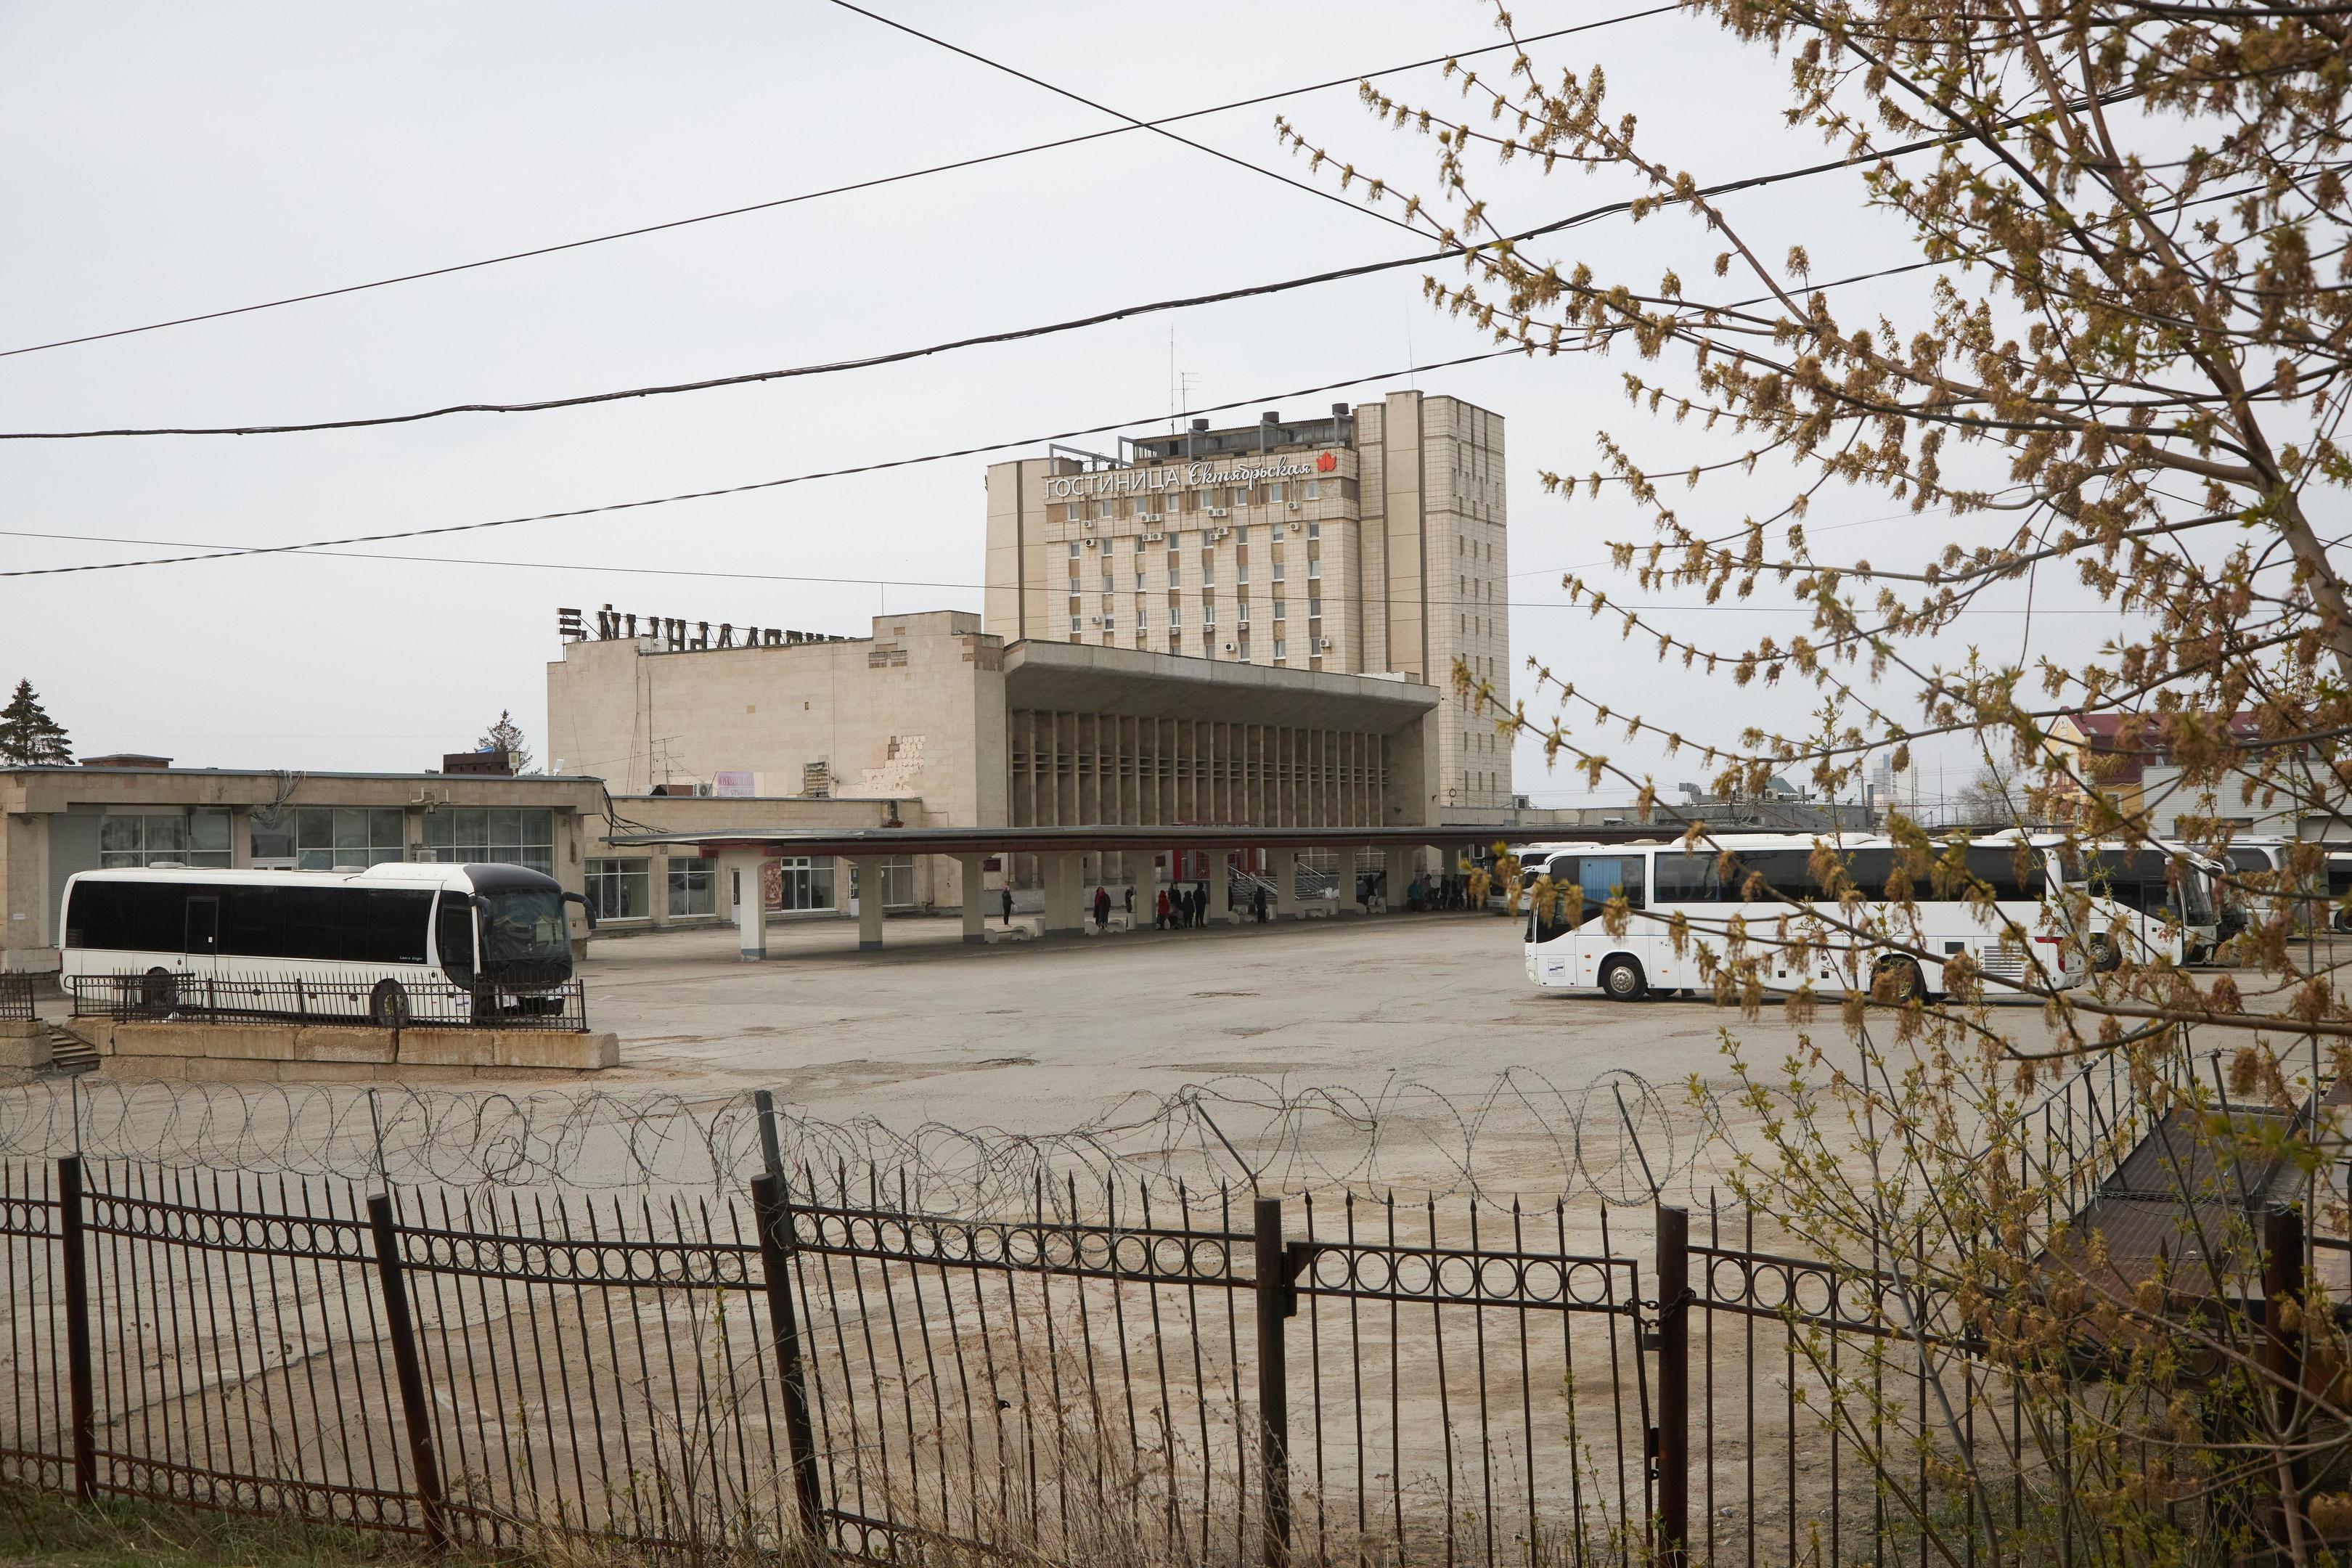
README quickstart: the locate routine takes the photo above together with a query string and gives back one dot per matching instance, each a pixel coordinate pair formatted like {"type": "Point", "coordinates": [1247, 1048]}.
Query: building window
{"type": "Point", "coordinates": [1139, 580]}
{"type": "Point", "coordinates": [1315, 566]}
{"type": "Point", "coordinates": [1281, 648]}
{"type": "Point", "coordinates": [1241, 536]}
{"type": "Point", "coordinates": [1314, 490]}
{"type": "Point", "coordinates": [1314, 530]}
{"type": "Point", "coordinates": [1278, 533]}
{"type": "Point", "coordinates": [1274, 493]}
{"type": "Point", "coordinates": [1243, 615]}
{"type": "Point", "coordinates": [898, 890]}
{"type": "Point", "coordinates": [1209, 613]}
{"type": "Point", "coordinates": [1110, 623]}
{"type": "Point", "coordinates": [1278, 571]}
{"type": "Point", "coordinates": [1074, 625]}
{"type": "Point", "coordinates": [797, 882]}
{"type": "Point", "coordinates": [1279, 605]}
{"type": "Point", "coordinates": [1315, 606]}
{"type": "Point", "coordinates": [1109, 586]}
{"type": "Point", "coordinates": [1244, 648]}
{"type": "Point", "coordinates": [1073, 550]}
{"type": "Point", "coordinates": [196, 836]}
{"type": "Point", "coordinates": [621, 889]}
{"type": "Point", "coordinates": [1241, 574]}
{"type": "Point", "coordinates": [693, 888]}
{"type": "Point", "coordinates": [497, 835]}
{"type": "Point", "coordinates": [334, 837]}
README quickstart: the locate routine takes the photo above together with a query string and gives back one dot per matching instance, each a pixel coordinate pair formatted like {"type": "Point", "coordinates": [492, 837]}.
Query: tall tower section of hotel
{"type": "Point", "coordinates": [1371, 541]}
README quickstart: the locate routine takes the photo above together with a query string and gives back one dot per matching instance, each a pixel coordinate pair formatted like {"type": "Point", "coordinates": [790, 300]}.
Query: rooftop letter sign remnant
{"type": "Point", "coordinates": [682, 636]}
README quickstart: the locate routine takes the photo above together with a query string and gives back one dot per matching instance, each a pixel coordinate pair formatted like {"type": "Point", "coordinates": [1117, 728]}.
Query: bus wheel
{"type": "Point", "coordinates": [1898, 981]}
{"type": "Point", "coordinates": [158, 991]}
{"type": "Point", "coordinates": [1621, 980]}
{"type": "Point", "coordinates": [388, 1005]}
{"type": "Point", "coordinates": [2102, 953]}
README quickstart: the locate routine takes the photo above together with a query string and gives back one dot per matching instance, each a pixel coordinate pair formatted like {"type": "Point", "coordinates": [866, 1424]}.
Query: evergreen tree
{"type": "Point", "coordinates": [29, 736]}
{"type": "Point", "coordinates": [505, 735]}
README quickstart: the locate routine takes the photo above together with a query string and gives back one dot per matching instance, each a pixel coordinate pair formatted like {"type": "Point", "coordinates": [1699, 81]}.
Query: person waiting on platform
{"type": "Point", "coordinates": [1102, 907]}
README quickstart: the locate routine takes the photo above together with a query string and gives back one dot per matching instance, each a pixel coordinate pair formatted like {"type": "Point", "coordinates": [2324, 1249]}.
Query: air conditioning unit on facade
{"type": "Point", "coordinates": [1221, 512]}
{"type": "Point", "coordinates": [1094, 620]}
{"type": "Point", "coordinates": [1294, 506]}
{"type": "Point", "coordinates": [1154, 538]}
{"type": "Point", "coordinates": [1092, 542]}
{"type": "Point", "coordinates": [1223, 531]}
{"type": "Point", "coordinates": [1229, 647]}
{"type": "Point", "coordinates": [1147, 517]}
{"type": "Point", "coordinates": [1322, 644]}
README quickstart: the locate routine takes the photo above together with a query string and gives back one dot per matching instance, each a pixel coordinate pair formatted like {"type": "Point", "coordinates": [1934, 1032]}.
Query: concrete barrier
{"type": "Point", "coordinates": [24, 1043]}
{"type": "Point", "coordinates": [313, 1053]}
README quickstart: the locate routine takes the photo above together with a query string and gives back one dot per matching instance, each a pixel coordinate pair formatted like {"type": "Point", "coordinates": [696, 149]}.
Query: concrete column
{"type": "Point", "coordinates": [1292, 863]}
{"type": "Point", "coordinates": [1149, 908]}
{"type": "Point", "coordinates": [869, 903]}
{"type": "Point", "coordinates": [1398, 864]}
{"type": "Point", "coordinates": [1061, 877]}
{"type": "Point", "coordinates": [738, 878]}
{"type": "Point", "coordinates": [975, 898]}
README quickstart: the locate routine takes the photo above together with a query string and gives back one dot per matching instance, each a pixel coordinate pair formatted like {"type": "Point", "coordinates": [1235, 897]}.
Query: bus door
{"type": "Point", "coordinates": [200, 938]}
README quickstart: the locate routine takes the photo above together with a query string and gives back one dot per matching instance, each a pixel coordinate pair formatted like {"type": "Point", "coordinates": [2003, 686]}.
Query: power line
{"type": "Point", "coordinates": [757, 484]}
{"type": "Point", "coordinates": [1320, 192]}
{"type": "Point", "coordinates": [1015, 334]}
{"type": "Point", "coordinates": [735, 573]}
{"type": "Point", "coordinates": [832, 190]}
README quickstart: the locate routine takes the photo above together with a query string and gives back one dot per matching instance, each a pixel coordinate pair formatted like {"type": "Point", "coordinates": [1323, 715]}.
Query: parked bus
{"type": "Point", "coordinates": [1567, 946]}
{"type": "Point", "coordinates": [368, 941]}
{"type": "Point", "coordinates": [2160, 914]}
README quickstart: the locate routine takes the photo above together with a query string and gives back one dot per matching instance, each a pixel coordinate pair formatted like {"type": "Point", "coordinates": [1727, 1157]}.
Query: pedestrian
{"type": "Point", "coordinates": [1159, 915]}
{"type": "Point", "coordinates": [1131, 904]}
{"type": "Point", "coordinates": [1008, 906]}
{"type": "Point", "coordinates": [1257, 903]}
{"type": "Point", "coordinates": [1102, 906]}
{"type": "Point", "coordinates": [1200, 901]}
{"type": "Point", "coordinates": [1191, 908]}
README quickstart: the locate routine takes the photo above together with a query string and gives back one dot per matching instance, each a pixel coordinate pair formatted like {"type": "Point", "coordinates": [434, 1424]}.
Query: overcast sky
{"type": "Point", "coordinates": [167, 160]}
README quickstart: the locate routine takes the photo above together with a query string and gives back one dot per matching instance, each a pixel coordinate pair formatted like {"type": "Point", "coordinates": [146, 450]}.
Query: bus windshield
{"type": "Point", "coordinates": [523, 928]}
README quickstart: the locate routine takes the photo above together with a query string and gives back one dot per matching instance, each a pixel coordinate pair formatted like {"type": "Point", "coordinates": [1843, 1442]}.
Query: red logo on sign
{"type": "Point", "coordinates": [1326, 462]}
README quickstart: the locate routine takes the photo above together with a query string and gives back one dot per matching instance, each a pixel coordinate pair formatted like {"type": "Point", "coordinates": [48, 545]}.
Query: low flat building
{"type": "Point", "coordinates": [61, 820]}
{"type": "Point", "coordinates": [933, 722]}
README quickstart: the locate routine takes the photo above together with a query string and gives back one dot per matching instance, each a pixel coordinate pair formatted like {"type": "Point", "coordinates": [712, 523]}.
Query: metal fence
{"type": "Point", "coordinates": [364, 1000]}
{"type": "Point", "coordinates": [16, 998]}
{"type": "Point", "coordinates": [1176, 1376]}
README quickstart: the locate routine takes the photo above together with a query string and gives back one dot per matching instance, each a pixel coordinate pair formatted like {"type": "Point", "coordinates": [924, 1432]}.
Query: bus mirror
{"type": "Point", "coordinates": [586, 908]}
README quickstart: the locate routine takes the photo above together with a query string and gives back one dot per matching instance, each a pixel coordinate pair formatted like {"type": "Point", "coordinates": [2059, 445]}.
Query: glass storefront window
{"type": "Point", "coordinates": [798, 882]}
{"type": "Point", "coordinates": [693, 888]}
{"type": "Point", "coordinates": [898, 883]}
{"type": "Point", "coordinates": [620, 890]}
{"type": "Point", "coordinates": [195, 836]}
{"type": "Point", "coordinates": [498, 835]}
{"type": "Point", "coordinates": [333, 837]}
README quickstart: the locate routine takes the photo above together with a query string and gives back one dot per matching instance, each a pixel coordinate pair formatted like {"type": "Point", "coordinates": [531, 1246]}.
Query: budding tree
{"type": "Point", "coordinates": [2128, 359]}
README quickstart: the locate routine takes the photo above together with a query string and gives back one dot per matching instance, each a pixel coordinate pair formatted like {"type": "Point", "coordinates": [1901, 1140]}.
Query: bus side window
{"type": "Point", "coordinates": [453, 939]}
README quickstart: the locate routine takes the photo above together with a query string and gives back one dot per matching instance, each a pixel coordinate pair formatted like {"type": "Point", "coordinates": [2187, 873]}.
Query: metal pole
{"type": "Point", "coordinates": [1673, 1386]}
{"type": "Point", "coordinates": [77, 1373]}
{"type": "Point", "coordinates": [775, 1265]}
{"type": "Point", "coordinates": [771, 1156]}
{"type": "Point", "coordinates": [403, 1334]}
{"type": "Point", "coordinates": [1274, 1305]}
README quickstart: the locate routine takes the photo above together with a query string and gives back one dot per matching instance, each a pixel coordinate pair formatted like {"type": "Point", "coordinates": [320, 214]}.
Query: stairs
{"type": "Point", "coordinates": [70, 1056]}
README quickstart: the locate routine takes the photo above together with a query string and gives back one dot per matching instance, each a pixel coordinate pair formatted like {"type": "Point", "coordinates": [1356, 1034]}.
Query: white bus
{"type": "Point", "coordinates": [1567, 946]}
{"type": "Point", "coordinates": [2159, 915]}
{"type": "Point", "coordinates": [362, 943]}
